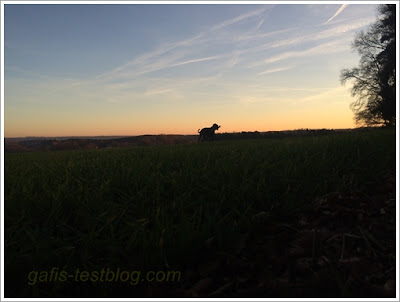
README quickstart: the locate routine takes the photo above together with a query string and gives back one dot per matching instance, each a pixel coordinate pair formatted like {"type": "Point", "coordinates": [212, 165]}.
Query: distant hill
{"type": "Point", "coordinates": [62, 138]}
{"type": "Point", "coordinates": [29, 144]}
{"type": "Point", "coordinates": [65, 143]}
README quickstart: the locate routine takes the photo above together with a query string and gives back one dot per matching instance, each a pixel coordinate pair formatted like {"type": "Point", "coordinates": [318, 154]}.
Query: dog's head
{"type": "Point", "coordinates": [215, 126]}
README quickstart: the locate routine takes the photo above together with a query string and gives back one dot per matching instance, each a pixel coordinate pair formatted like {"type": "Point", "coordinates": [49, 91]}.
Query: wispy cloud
{"type": "Point", "coordinates": [240, 18]}
{"type": "Point", "coordinates": [154, 92]}
{"type": "Point", "coordinates": [294, 41]}
{"type": "Point", "coordinates": [337, 13]}
{"type": "Point", "coordinates": [313, 41]}
{"type": "Point", "coordinates": [325, 34]}
{"type": "Point", "coordinates": [163, 64]}
{"type": "Point", "coordinates": [232, 61]}
{"type": "Point", "coordinates": [194, 61]}
{"type": "Point", "coordinates": [177, 53]}
{"type": "Point", "coordinates": [246, 48]}
{"type": "Point", "coordinates": [262, 35]}
{"type": "Point", "coordinates": [259, 24]}
{"type": "Point", "coordinates": [325, 48]}
{"type": "Point", "coordinates": [268, 71]}
{"type": "Point", "coordinates": [325, 94]}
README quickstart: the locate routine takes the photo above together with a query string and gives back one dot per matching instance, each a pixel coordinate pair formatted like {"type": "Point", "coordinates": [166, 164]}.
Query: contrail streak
{"type": "Point", "coordinates": [337, 13]}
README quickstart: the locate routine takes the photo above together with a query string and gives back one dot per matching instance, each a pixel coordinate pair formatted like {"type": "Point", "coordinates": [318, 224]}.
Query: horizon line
{"type": "Point", "coordinates": [130, 135]}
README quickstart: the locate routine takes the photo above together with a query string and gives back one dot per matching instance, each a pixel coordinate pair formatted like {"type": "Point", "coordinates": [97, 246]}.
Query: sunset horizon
{"type": "Point", "coordinates": [184, 134]}
{"type": "Point", "coordinates": [136, 69]}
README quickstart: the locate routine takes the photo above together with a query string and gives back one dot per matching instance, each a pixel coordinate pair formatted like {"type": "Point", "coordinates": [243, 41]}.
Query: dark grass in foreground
{"type": "Point", "coordinates": [169, 208]}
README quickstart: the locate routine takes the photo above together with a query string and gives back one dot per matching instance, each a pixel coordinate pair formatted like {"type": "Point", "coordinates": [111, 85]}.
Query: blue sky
{"type": "Point", "coordinates": [149, 69]}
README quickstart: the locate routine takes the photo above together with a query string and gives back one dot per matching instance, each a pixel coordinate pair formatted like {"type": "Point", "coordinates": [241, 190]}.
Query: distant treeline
{"type": "Point", "coordinates": [41, 144]}
{"type": "Point", "coordinates": [273, 134]}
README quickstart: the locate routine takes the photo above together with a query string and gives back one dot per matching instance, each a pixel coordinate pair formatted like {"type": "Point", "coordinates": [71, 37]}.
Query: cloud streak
{"type": "Point", "coordinates": [325, 34]}
{"type": "Point", "coordinates": [240, 18]}
{"type": "Point", "coordinates": [247, 46]}
{"type": "Point", "coordinates": [337, 13]}
{"type": "Point", "coordinates": [268, 71]}
{"type": "Point", "coordinates": [161, 91]}
{"type": "Point", "coordinates": [194, 61]}
{"type": "Point", "coordinates": [169, 54]}
{"type": "Point", "coordinates": [259, 24]}
{"type": "Point", "coordinates": [325, 48]}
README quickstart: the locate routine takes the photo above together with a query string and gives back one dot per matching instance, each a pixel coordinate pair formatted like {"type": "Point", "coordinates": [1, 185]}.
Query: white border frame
{"type": "Point", "coordinates": [2, 298]}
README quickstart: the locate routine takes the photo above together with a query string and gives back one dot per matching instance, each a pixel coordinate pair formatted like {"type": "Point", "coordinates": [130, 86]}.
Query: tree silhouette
{"type": "Point", "coordinates": [374, 80]}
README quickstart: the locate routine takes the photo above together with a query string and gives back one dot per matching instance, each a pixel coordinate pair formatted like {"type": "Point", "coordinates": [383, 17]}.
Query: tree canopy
{"type": "Point", "coordinates": [374, 80]}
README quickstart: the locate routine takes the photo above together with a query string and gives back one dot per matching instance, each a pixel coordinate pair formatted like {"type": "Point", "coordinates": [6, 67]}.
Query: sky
{"type": "Point", "coordinates": [132, 69]}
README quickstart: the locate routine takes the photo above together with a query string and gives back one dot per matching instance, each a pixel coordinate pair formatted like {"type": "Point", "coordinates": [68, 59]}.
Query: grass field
{"type": "Point", "coordinates": [157, 208]}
